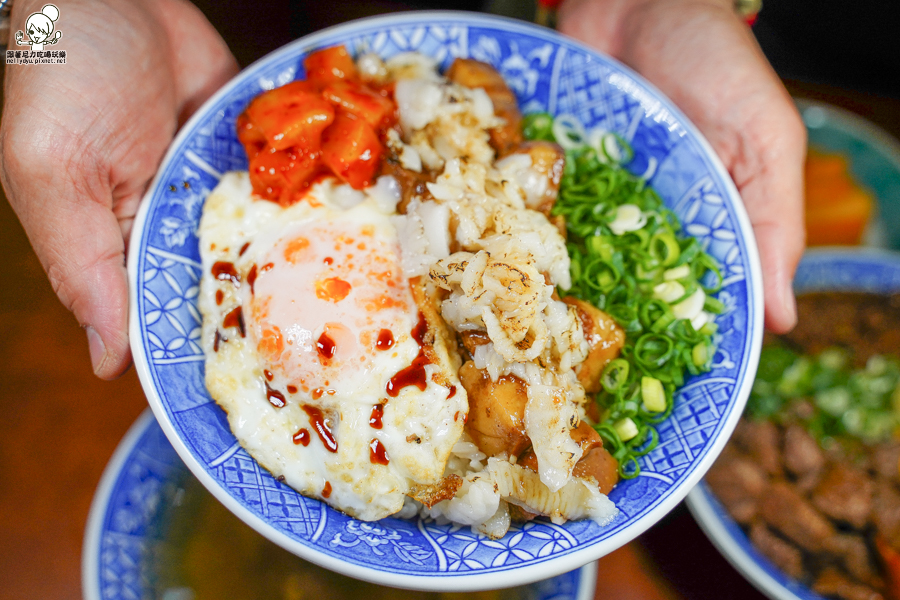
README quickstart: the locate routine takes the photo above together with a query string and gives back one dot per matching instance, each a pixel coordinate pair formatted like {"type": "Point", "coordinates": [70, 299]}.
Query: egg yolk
{"type": "Point", "coordinates": [330, 288]}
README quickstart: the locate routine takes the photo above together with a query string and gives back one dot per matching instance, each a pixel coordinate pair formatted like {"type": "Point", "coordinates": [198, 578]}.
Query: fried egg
{"type": "Point", "coordinates": [333, 374]}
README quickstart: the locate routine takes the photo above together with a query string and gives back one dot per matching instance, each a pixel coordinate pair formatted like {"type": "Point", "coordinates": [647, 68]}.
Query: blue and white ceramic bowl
{"type": "Point", "coordinates": [827, 270]}
{"type": "Point", "coordinates": [126, 528]}
{"type": "Point", "coordinates": [547, 72]}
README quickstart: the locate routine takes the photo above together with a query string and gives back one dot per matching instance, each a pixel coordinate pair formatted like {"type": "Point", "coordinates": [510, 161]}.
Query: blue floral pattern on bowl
{"type": "Point", "coordinates": [548, 72]}
{"type": "Point", "coordinates": [847, 270]}
{"type": "Point", "coordinates": [124, 527]}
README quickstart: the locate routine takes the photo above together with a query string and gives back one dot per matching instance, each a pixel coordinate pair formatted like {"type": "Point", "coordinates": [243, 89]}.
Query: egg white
{"type": "Point", "coordinates": [419, 427]}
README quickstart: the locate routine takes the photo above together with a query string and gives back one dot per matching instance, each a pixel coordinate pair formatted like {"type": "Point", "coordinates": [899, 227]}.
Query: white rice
{"type": "Point", "coordinates": [474, 235]}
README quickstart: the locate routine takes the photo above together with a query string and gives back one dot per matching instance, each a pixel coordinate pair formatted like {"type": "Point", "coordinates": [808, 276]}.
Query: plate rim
{"type": "Point", "coordinates": [90, 565]}
{"type": "Point", "coordinates": [450, 580]}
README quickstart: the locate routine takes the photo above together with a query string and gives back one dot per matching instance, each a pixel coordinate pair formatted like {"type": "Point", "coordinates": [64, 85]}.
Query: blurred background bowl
{"type": "Point", "coordinates": [821, 270]}
{"type": "Point", "coordinates": [853, 179]}
{"type": "Point", "coordinates": [155, 532]}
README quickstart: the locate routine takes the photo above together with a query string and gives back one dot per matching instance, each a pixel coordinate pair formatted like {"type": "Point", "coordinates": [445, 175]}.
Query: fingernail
{"type": "Point", "coordinates": [97, 348]}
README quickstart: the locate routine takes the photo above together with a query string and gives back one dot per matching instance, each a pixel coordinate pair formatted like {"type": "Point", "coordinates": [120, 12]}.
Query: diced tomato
{"type": "Point", "coordinates": [251, 137]}
{"type": "Point", "coordinates": [351, 149]}
{"type": "Point", "coordinates": [386, 89]}
{"type": "Point", "coordinates": [329, 64]}
{"type": "Point", "coordinates": [358, 99]}
{"type": "Point", "coordinates": [291, 115]}
{"type": "Point", "coordinates": [279, 174]}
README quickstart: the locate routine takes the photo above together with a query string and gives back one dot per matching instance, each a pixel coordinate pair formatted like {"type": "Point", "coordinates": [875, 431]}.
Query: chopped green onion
{"type": "Point", "coordinates": [679, 272]}
{"type": "Point", "coordinates": [626, 429]}
{"type": "Point", "coordinates": [538, 126]}
{"type": "Point", "coordinates": [630, 258]}
{"type": "Point", "coordinates": [669, 291]}
{"type": "Point", "coordinates": [833, 359]}
{"type": "Point", "coordinates": [665, 248]}
{"type": "Point", "coordinates": [700, 354]}
{"type": "Point", "coordinates": [652, 394]}
{"type": "Point", "coordinates": [837, 399]}
{"type": "Point", "coordinates": [713, 305]}
{"type": "Point", "coordinates": [614, 375]}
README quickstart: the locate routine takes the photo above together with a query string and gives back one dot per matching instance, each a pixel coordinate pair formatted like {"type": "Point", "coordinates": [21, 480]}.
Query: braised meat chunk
{"type": "Point", "coordinates": [496, 411]}
{"type": "Point", "coordinates": [474, 74]}
{"type": "Point", "coordinates": [547, 162]}
{"type": "Point", "coordinates": [605, 338]}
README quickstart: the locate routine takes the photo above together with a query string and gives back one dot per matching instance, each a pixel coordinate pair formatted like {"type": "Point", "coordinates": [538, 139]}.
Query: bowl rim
{"type": "Point", "coordinates": [853, 125]}
{"type": "Point", "coordinates": [724, 533]}
{"type": "Point", "coordinates": [700, 502]}
{"type": "Point", "coordinates": [457, 581]}
{"type": "Point", "coordinates": [90, 564]}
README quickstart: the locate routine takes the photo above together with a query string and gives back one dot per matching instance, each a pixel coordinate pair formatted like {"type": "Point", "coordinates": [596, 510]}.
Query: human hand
{"type": "Point", "coordinates": [706, 60]}
{"type": "Point", "coordinates": [80, 143]}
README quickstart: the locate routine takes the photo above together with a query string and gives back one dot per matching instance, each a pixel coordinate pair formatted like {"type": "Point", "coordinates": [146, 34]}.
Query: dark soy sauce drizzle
{"type": "Point", "coordinates": [275, 397]}
{"type": "Point", "coordinates": [326, 346]}
{"type": "Point", "coordinates": [375, 419]}
{"type": "Point", "coordinates": [317, 419]}
{"type": "Point", "coordinates": [235, 319]}
{"type": "Point", "coordinates": [225, 271]}
{"type": "Point", "coordinates": [385, 340]}
{"type": "Point", "coordinates": [414, 374]}
{"type": "Point", "coordinates": [377, 453]}
{"type": "Point", "coordinates": [301, 438]}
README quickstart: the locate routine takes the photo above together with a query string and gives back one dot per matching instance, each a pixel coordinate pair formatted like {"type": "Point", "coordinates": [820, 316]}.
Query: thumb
{"type": "Point", "coordinates": [85, 262]}
{"type": "Point", "coordinates": [98, 293]}
{"type": "Point", "coordinates": [78, 239]}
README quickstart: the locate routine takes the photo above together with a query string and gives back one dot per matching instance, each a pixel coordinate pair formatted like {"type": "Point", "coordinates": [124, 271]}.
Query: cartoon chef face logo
{"type": "Point", "coordinates": [40, 29]}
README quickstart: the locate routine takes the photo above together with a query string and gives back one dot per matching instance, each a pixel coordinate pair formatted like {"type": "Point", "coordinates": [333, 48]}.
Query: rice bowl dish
{"type": "Point", "coordinates": [201, 434]}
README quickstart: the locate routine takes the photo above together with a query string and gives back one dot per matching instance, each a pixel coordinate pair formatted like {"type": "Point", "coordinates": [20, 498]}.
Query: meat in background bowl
{"type": "Point", "coordinates": [548, 73]}
{"type": "Point", "coordinates": [825, 270]}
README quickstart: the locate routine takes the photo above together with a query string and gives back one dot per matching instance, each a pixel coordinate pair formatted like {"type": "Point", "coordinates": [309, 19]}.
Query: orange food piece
{"type": "Point", "coordinates": [295, 249]}
{"type": "Point", "coordinates": [250, 136]}
{"type": "Point", "coordinates": [334, 289]}
{"type": "Point", "coordinates": [351, 149]}
{"type": "Point", "coordinates": [271, 344]}
{"type": "Point", "coordinates": [291, 115]}
{"type": "Point", "coordinates": [837, 208]}
{"type": "Point", "coordinates": [330, 64]}
{"type": "Point", "coordinates": [279, 174]}
{"type": "Point", "coordinates": [360, 100]}
{"type": "Point", "coordinates": [305, 130]}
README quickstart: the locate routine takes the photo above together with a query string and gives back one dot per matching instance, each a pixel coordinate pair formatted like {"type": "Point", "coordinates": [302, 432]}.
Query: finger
{"type": "Point", "coordinates": [78, 240]}
{"type": "Point", "coordinates": [202, 61]}
{"type": "Point", "coordinates": [700, 55]}
{"type": "Point", "coordinates": [779, 251]}
{"type": "Point", "coordinates": [769, 175]}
